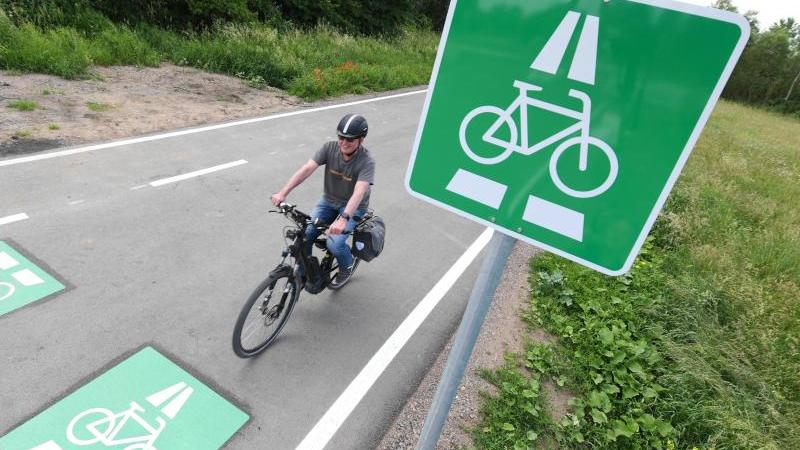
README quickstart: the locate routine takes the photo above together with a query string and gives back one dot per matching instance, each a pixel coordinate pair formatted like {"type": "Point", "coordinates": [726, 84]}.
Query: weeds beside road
{"type": "Point", "coordinates": [699, 345]}
{"type": "Point", "coordinates": [310, 64]}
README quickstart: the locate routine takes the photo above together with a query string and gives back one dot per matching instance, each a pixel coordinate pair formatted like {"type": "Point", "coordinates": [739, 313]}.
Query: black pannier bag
{"type": "Point", "coordinates": [368, 239]}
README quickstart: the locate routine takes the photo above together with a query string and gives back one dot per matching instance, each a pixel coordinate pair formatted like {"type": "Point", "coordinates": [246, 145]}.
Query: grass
{"type": "Point", "coordinates": [699, 345]}
{"type": "Point", "coordinates": [23, 134]}
{"type": "Point", "coordinates": [53, 127]}
{"type": "Point", "coordinates": [99, 107]}
{"type": "Point", "coordinates": [23, 105]}
{"type": "Point", "coordinates": [311, 64]}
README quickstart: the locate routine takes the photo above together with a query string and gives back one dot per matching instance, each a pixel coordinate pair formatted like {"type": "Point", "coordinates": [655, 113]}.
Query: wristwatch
{"type": "Point", "coordinates": [345, 216]}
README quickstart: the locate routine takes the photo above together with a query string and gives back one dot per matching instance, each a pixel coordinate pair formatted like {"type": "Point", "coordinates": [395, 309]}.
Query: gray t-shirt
{"type": "Point", "coordinates": [341, 176]}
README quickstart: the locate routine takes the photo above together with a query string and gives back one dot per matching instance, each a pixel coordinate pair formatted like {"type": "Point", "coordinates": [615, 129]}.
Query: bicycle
{"type": "Point", "coordinates": [263, 317]}
{"type": "Point", "coordinates": [522, 102]}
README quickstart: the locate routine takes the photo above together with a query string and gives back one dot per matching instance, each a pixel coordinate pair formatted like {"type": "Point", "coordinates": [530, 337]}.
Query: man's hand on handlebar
{"type": "Point", "coordinates": [278, 198]}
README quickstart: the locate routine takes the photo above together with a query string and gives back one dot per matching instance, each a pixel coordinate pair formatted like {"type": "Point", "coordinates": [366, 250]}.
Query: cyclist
{"type": "Point", "coordinates": [350, 171]}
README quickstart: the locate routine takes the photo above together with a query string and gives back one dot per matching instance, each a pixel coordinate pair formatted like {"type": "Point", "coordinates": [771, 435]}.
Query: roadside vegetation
{"type": "Point", "coordinates": [23, 105]}
{"type": "Point", "coordinates": [699, 345]}
{"type": "Point", "coordinates": [318, 60]}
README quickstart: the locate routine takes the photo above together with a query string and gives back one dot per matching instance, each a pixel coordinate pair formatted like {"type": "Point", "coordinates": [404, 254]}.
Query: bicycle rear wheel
{"type": "Point", "coordinates": [265, 313]}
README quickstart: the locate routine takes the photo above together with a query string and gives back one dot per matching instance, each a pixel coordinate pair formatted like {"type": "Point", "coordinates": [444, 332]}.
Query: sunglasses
{"type": "Point", "coordinates": [348, 139]}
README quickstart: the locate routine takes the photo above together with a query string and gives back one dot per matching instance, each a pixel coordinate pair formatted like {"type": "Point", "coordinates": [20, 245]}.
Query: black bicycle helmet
{"type": "Point", "coordinates": [352, 126]}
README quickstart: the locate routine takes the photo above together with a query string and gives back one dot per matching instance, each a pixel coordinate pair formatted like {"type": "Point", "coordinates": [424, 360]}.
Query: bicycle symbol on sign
{"type": "Point", "coordinates": [583, 140]}
{"type": "Point", "coordinates": [101, 425]}
{"type": "Point", "coordinates": [505, 137]}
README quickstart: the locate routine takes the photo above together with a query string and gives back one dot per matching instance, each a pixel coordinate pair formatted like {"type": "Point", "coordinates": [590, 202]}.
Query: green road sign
{"type": "Point", "coordinates": [21, 281]}
{"type": "Point", "coordinates": [145, 402]}
{"type": "Point", "coordinates": [566, 123]}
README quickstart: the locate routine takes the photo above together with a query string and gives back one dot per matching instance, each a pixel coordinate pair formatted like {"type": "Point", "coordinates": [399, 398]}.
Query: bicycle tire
{"type": "Point", "coordinates": [79, 440]}
{"type": "Point", "coordinates": [607, 151]}
{"type": "Point", "coordinates": [507, 149]}
{"type": "Point", "coordinates": [262, 303]}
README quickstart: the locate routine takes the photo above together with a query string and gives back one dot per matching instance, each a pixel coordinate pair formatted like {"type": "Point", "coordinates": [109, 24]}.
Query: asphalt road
{"type": "Point", "coordinates": [170, 266]}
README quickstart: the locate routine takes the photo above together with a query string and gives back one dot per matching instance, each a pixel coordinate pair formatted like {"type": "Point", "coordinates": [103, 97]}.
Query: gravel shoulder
{"type": "Point", "coordinates": [502, 332]}
{"type": "Point", "coordinates": [122, 101]}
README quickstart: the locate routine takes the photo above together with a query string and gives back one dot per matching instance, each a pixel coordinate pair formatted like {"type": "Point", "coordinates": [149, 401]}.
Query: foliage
{"type": "Point", "coordinates": [768, 72]}
{"type": "Point", "coordinates": [698, 345]}
{"type": "Point", "coordinates": [23, 105]}
{"type": "Point", "coordinates": [313, 63]}
{"type": "Point", "coordinates": [349, 16]}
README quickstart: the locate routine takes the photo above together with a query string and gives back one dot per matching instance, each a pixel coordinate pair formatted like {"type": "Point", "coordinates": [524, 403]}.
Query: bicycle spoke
{"type": "Point", "coordinates": [264, 315]}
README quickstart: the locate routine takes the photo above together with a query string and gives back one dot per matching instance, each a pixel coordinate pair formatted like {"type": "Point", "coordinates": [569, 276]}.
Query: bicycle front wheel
{"type": "Point", "coordinates": [265, 314]}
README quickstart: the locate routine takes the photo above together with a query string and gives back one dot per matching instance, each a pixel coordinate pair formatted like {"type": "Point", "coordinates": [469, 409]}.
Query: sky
{"type": "Point", "coordinates": [769, 11]}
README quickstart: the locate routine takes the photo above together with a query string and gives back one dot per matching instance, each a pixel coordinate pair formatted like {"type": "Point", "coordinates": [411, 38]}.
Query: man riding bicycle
{"type": "Point", "coordinates": [350, 173]}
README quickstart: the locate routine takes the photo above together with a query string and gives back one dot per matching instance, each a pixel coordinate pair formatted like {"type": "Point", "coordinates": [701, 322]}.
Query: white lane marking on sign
{"type": "Point", "coordinates": [172, 408]}
{"type": "Point", "coordinates": [49, 445]}
{"type": "Point", "coordinates": [478, 188]}
{"type": "Point", "coordinates": [197, 173]}
{"type": "Point", "coordinates": [7, 261]}
{"type": "Point", "coordinates": [554, 217]}
{"type": "Point", "coordinates": [333, 419]}
{"type": "Point", "coordinates": [15, 218]}
{"type": "Point", "coordinates": [549, 59]}
{"type": "Point", "coordinates": [585, 60]}
{"type": "Point", "coordinates": [27, 159]}
{"type": "Point", "coordinates": [27, 278]}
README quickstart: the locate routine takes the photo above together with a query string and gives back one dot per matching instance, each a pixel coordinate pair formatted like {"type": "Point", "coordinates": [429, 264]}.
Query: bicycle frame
{"type": "Point", "coordinates": [523, 101]}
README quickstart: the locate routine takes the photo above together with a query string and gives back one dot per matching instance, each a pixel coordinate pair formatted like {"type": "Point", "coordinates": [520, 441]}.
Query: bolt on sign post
{"type": "Point", "coordinates": [566, 123]}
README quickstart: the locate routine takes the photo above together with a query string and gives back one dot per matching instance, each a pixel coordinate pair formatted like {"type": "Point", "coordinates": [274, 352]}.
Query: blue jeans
{"type": "Point", "coordinates": [326, 212]}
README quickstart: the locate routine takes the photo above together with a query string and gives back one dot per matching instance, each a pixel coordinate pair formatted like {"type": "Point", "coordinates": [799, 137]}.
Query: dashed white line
{"type": "Point", "coordinates": [333, 419]}
{"type": "Point", "coordinates": [15, 218]}
{"type": "Point", "coordinates": [197, 173]}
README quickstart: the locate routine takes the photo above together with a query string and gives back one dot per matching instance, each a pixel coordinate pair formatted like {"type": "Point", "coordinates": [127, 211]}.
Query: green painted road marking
{"type": "Point", "coordinates": [565, 123]}
{"type": "Point", "coordinates": [144, 402]}
{"type": "Point", "coordinates": [21, 281]}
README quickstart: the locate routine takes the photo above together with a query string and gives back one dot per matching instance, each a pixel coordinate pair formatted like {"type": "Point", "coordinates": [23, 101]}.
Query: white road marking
{"type": "Point", "coordinates": [197, 173]}
{"type": "Point", "coordinates": [27, 278]}
{"type": "Point", "coordinates": [57, 154]}
{"type": "Point", "coordinates": [549, 59]}
{"type": "Point", "coordinates": [15, 218]}
{"type": "Point", "coordinates": [554, 217]}
{"type": "Point", "coordinates": [7, 261]}
{"type": "Point", "coordinates": [76, 202]}
{"type": "Point", "coordinates": [585, 59]}
{"type": "Point", "coordinates": [478, 188]}
{"type": "Point", "coordinates": [333, 419]}
{"type": "Point", "coordinates": [136, 188]}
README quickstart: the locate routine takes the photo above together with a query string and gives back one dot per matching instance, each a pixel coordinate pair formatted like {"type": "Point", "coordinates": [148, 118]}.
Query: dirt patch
{"type": "Point", "coordinates": [503, 331]}
{"type": "Point", "coordinates": [123, 101]}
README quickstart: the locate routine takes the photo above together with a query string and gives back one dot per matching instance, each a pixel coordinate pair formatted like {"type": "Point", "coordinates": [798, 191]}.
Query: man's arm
{"type": "Point", "coordinates": [352, 206]}
{"type": "Point", "coordinates": [302, 173]}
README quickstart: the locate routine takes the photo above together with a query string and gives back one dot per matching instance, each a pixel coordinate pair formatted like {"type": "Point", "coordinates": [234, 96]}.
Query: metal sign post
{"type": "Point", "coordinates": [482, 293]}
